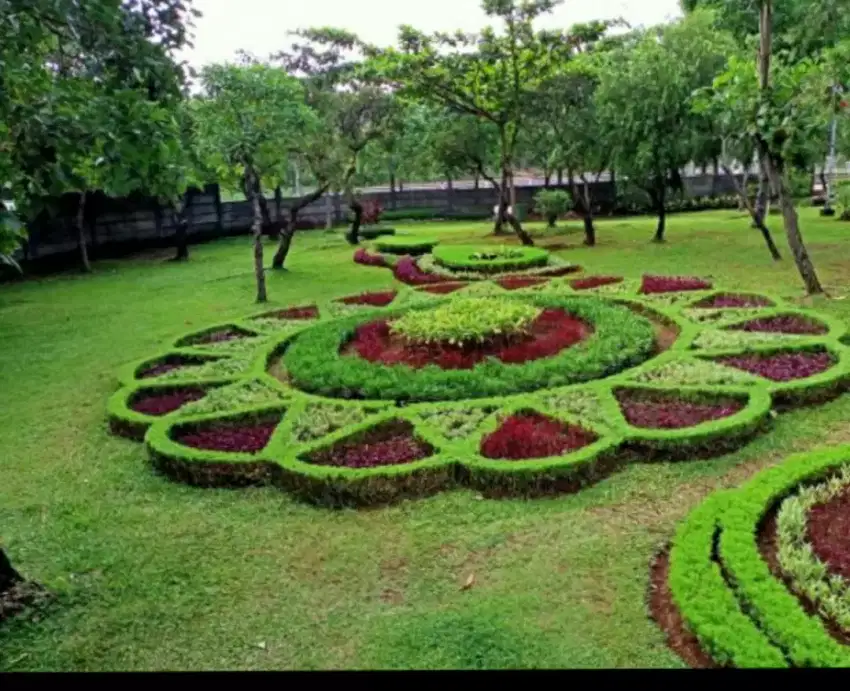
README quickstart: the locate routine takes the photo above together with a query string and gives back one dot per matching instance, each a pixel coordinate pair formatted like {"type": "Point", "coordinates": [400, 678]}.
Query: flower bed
{"type": "Point", "coordinates": [407, 245]}
{"type": "Point", "coordinates": [671, 284]}
{"type": "Point", "coordinates": [231, 437]}
{"type": "Point", "coordinates": [594, 282]}
{"type": "Point", "coordinates": [782, 367]}
{"type": "Point", "coordinates": [651, 410]}
{"type": "Point", "coordinates": [172, 363]}
{"type": "Point", "coordinates": [490, 260]}
{"type": "Point", "coordinates": [786, 324]}
{"type": "Point", "coordinates": [165, 401]}
{"type": "Point", "coordinates": [443, 288]}
{"type": "Point", "coordinates": [733, 300]}
{"type": "Point", "coordinates": [379, 299]}
{"type": "Point", "coordinates": [294, 313]}
{"type": "Point", "coordinates": [224, 335]}
{"type": "Point", "coordinates": [553, 268]}
{"type": "Point", "coordinates": [408, 271]}
{"type": "Point", "coordinates": [829, 531]}
{"type": "Point", "coordinates": [518, 282]}
{"type": "Point", "coordinates": [532, 435]}
{"type": "Point", "coordinates": [392, 443]}
{"type": "Point", "coordinates": [362, 256]}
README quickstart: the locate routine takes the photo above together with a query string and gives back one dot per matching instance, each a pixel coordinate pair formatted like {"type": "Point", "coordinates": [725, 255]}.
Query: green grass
{"type": "Point", "coordinates": [155, 575]}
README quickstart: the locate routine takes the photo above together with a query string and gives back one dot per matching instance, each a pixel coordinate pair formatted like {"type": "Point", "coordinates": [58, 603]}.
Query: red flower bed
{"type": "Point", "coordinates": [560, 270]}
{"type": "Point", "coordinates": [782, 366]}
{"type": "Point", "coordinates": [733, 300]}
{"type": "Point", "coordinates": [786, 324]}
{"type": "Point", "coordinates": [532, 435]}
{"type": "Point", "coordinates": [517, 282]}
{"type": "Point", "coordinates": [443, 288]}
{"type": "Point", "coordinates": [165, 402]}
{"type": "Point", "coordinates": [829, 533]}
{"type": "Point", "coordinates": [672, 284]}
{"type": "Point", "coordinates": [311, 312]}
{"type": "Point", "coordinates": [653, 411]}
{"type": "Point", "coordinates": [594, 282]}
{"type": "Point", "coordinates": [381, 299]}
{"type": "Point", "coordinates": [168, 366]}
{"type": "Point", "coordinates": [245, 438]}
{"type": "Point", "coordinates": [390, 444]}
{"type": "Point", "coordinates": [407, 271]}
{"type": "Point", "coordinates": [219, 336]}
{"type": "Point", "coordinates": [362, 256]}
{"type": "Point", "coordinates": [552, 331]}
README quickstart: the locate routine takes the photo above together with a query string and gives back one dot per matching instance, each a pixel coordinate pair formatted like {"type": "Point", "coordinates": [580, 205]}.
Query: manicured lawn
{"type": "Point", "coordinates": [156, 575]}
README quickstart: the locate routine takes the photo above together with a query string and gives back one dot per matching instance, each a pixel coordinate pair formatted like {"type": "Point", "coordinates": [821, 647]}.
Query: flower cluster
{"type": "Point", "coordinates": [389, 444]}
{"type": "Point", "coordinates": [240, 438]}
{"type": "Point", "coordinates": [782, 366]}
{"type": "Point", "coordinates": [532, 435]}
{"type": "Point", "coordinates": [671, 284]}
{"type": "Point", "coordinates": [786, 324]}
{"type": "Point", "coordinates": [407, 271]}
{"type": "Point", "coordinates": [670, 412]}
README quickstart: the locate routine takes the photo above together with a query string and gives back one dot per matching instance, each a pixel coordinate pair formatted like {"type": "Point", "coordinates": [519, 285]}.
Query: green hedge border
{"type": "Point", "coordinates": [458, 258]}
{"type": "Point", "coordinates": [407, 244]}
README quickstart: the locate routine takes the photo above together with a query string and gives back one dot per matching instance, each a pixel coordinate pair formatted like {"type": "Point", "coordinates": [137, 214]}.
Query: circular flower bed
{"type": "Point", "coordinates": [406, 244]}
{"type": "Point", "coordinates": [490, 260]}
{"type": "Point", "coordinates": [507, 386]}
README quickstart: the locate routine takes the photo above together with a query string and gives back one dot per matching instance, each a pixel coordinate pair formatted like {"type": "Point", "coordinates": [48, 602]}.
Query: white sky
{"type": "Point", "coordinates": [260, 26]}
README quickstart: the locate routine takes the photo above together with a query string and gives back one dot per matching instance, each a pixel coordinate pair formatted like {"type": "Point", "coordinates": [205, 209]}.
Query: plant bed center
{"type": "Point", "coordinates": [786, 324]}
{"type": "Point", "coordinates": [238, 438]}
{"type": "Point", "coordinates": [782, 366]}
{"type": "Point", "coordinates": [650, 411]}
{"type": "Point", "coordinates": [166, 402]}
{"type": "Point", "coordinates": [389, 444]}
{"type": "Point", "coordinates": [550, 333]}
{"type": "Point", "coordinates": [532, 435]}
{"type": "Point", "coordinates": [829, 532]}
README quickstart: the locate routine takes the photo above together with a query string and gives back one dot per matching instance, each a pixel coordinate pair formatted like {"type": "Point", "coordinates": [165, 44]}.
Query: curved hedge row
{"type": "Point", "coordinates": [490, 260]}
{"type": "Point", "coordinates": [726, 593]}
{"type": "Point", "coordinates": [407, 244]}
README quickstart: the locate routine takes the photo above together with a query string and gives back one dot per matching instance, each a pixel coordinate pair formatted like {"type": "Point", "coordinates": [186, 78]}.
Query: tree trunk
{"type": "Point", "coordinates": [180, 214]}
{"type": "Point", "coordinates": [393, 201]}
{"type": "Point", "coordinates": [658, 196]}
{"type": "Point", "coordinates": [589, 230]}
{"type": "Point", "coordinates": [502, 215]}
{"type": "Point", "coordinates": [354, 234]}
{"type": "Point", "coordinates": [477, 181]}
{"type": "Point", "coordinates": [288, 231]}
{"type": "Point", "coordinates": [329, 211]}
{"type": "Point", "coordinates": [253, 186]}
{"type": "Point", "coordinates": [278, 203]}
{"type": "Point", "coordinates": [760, 224]}
{"type": "Point", "coordinates": [81, 233]}
{"type": "Point", "coordinates": [547, 178]}
{"type": "Point", "coordinates": [8, 576]}
{"type": "Point", "coordinates": [761, 200]}
{"type": "Point", "coordinates": [560, 176]}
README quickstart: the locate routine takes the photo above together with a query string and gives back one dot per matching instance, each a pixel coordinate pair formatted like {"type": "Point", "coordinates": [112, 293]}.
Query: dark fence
{"type": "Point", "coordinates": [120, 225]}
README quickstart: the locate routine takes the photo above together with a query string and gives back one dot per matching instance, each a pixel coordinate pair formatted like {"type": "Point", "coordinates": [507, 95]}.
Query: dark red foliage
{"type": "Point", "coordinates": [785, 323]}
{"type": "Point", "coordinates": [829, 533]}
{"type": "Point", "coordinates": [672, 284]}
{"type": "Point", "coordinates": [389, 444]}
{"type": "Point", "coordinates": [168, 366]}
{"type": "Point", "coordinates": [381, 299]}
{"type": "Point", "coordinates": [532, 435]}
{"type": "Point", "coordinates": [311, 312]}
{"type": "Point", "coordinates": [443, 288]}
{"type": "Point", "coordinates": [725, 300]}
{"type": "Point", "coordinates": [594, 282]}
{"type": "Point", "coordinates": [219, 336]}
{"type": "Point", "coordinates": [362, 256]}
{"type": "Point", "coordinates": [662, 411]}
{"type": "Point", "coordinates": [517, 282]}
{"type": "Point", "coordinates": [164, 402]}
{"type": "Point", "coordinates": [372, 211]}
{"type": "Point", "coordinates": [782, 366]}
{"type": "Point", "coordinates": [407, 271]}
{"type": "Point", "coordinates": [559, 270]}
{"type": "Point", "coordinates": [552, 331]}
{"type": "Point", "coordinates": [245, 437]}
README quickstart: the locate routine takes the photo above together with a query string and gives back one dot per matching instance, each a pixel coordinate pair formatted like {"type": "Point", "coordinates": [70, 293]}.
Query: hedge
{"type": "Point", "coordinates": [373, 232]}
{"type": "Point", "coordinates": [462, 258]}
{"type": "Point", "coordinates": [407, 244]}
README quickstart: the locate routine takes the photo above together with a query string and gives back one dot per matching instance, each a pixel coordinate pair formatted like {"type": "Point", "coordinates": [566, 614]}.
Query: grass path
{"type": "Point", "coordinates": [155, 575]}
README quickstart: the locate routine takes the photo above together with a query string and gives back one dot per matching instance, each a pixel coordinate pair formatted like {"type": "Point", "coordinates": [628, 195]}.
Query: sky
{"type": "Point", "coordinates": [260, 26]}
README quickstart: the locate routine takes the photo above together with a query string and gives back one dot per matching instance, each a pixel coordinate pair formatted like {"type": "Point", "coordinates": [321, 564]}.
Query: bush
{"type": "Point", "coordinates": [552, 203]}
{"type": "Point", "coordinates": [487, 260]}
{"type": "Point", "coordinates": [843, 190]}
{"type": "Point", "coordinates": [372, 210]}
{"type": "Point", "coordinates": [413, 246]}
{"type": "Point", "coordinates": [370, 233]}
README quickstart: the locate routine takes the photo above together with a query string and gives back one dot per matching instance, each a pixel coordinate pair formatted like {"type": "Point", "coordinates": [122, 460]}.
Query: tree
{"type": "Point", "coordinates": [486, 75]}
{"type": "Point", "coordinates": [643, 100]}
{"type": "Point", "coordinates": [552, 203]}
{"type": "Point", "coordinates": [246, 117]}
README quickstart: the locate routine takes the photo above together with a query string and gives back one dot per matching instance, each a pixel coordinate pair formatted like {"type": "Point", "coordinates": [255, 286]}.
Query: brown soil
{"type": "Point", "coordinates": [665, 613]}
{"type": "Point", "coordinates": [829, 533]}
{"type": "Point", "coordinates": [768, 544]}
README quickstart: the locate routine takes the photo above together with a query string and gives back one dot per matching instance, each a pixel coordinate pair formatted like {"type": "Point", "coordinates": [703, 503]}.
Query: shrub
{"type": "Point", "coordinates": [487, 260]}
{"type": "Point", "coordinates": [374, 232]}
{"type": "Point", "coordinates": [466, 320]}
{"type": "Point", "coordinates": [532, 435]}
{"type": "Point", "coordinates": [362, 256]}
{"type": "Point", "coordinates": [372, 210]}
{"type": "Point", "coordinates": [408, 245]}
{"type": "Point", "coordinates": [407, 271]}
{"type": "Point", "coordinates": [552, 203]}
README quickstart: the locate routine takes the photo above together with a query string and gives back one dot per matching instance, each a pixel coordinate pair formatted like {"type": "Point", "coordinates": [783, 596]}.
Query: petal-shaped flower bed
{"type": "Point", "coordinates": [295, 313]}
{"type": "Point", "coordinates": [829, 532]}
{"type": "Point", "coordinates": [783, 323]}
{"type": "Point", "coordinates": [170, 363]}
{"type": "Point", "coordinates": [530, 435]}
{"type": "Point", "coordinates": [163, 402]}
{"type": "Point", "coordinates": [232, 436]}
{"type": "Point", "coordinates": [733, 300]}
{"type": "Point", "coordinates": [391, 443]}
{"type": "Point", "coordinates": [518, 282]}
{"type": "Point", "coordinates": [782, 367]}
{"type": "Point", "coordinates": [444, 288]}
{"type": "Point", "coordinates": [559, 271]}
{"type": "Point", "coordinates": [379, 299]}
{"type": "Point", "coordinates": [656, 410]}
{"type": "Point", "coordinates": [223, 335]}
{"type": "Point", "coordinates": [407, 271]}
{"type": "Point", "coordinates": [362, 256]}
{"type": "Point", "coordinates": [672, 284]}
{"type": "Point", "coordinates": [550, 333]}
{"type": "Point", "coordinates": [594, 282]}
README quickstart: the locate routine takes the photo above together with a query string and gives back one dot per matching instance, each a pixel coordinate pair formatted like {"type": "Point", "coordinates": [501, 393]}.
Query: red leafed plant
{"type": "Point", "coordinates": [532, 435]}
{"type": "Point", "coordinates": [443, 288]}
{"type": "Point", "coordinates": [594, 282]}
{"type": "Point", "coordinates": [380, 299]}
{"type": "Point", "coordinates": [784, 323]}
{"type": "Point", "coordinates": [407, 271]}
{"type": "Point", "coordinates": [219, 336]}
{"type": "Point", "coordinates": [372, 211]}
{"type": "Point", "coordinates": [162, 403]}
{"type": "Point", "coordinates": [782, 366]}
{"type": "Point", "coordinates": [362, 256]}
{"type": "Point", "coordinates": [664, 411]}
{"type": "Point", "coordinates": [726, 300]}
{"type": "Point", "coordinates": [247, 437]}
{"type": "Point", "coordinates": [310, 312]}
{"type": "Point", "coordinates": [392, 443]}
{"type": "Point", "coordinates": [517, 282]}
{"type": "Point", "coordinates": [672, 284]}
{"type": "Point", "coordinates": [828, 528]}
